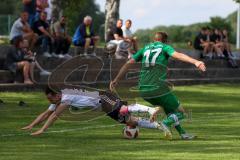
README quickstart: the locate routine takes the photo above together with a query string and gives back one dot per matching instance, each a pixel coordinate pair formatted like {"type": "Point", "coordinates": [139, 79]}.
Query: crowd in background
{"type": "Point", "coordinates": [35, 28]}
{"type": "Point", "coordinates": [214, 43]}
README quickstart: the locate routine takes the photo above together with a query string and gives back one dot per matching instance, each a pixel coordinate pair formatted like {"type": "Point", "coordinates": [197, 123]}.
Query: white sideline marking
{"type": "Point", "coordinates": [64, 130]}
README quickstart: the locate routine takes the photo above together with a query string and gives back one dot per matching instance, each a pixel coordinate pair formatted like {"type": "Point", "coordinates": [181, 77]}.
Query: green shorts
{"type": "Point", "coordinates": [168, 102]}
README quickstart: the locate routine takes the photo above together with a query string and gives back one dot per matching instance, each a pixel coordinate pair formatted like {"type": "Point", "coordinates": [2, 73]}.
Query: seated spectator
{"type": "Point", "coordinates": [122, 45]}
{"type": "Point", "coordinates": [30, 7]}
{"type": "Point", "coordinates": [41, 27]}
{"type": "Point", "coordinates": [31, 58]}
{"type": "Point", "coordinates": [202, 42]}
{"type": "Point", "coordinates": [22, 28]}
{"type": "Point", "coordinates": [225, 40]}
{"type": "Point", "coordinates": [215, 39]}
{"type": "Point", "coordinates": [128, 35]}
{"type": "Point", "coordinates": [62, 40]}
{"type": "Point", "coordinates": [84, 35]}
{"type": "Point", "coordinates": [15, 60]}
{"type": "Point", "coordinates": [41, 5]}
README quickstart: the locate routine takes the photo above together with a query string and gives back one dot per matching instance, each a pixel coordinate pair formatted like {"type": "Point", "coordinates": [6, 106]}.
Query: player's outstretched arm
{"type": "Point", "coordinates": [121, 73]}
{"type": "Point", "coordinates": [52, 118]}
{"type": "Point", "coordinates": [182, 57]}
{"type": "Point", "coordinates": [40, 118]}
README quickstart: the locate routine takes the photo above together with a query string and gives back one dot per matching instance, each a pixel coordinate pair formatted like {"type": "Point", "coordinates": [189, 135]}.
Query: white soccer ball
{"type": "Point", "coordinates": [130, 132]}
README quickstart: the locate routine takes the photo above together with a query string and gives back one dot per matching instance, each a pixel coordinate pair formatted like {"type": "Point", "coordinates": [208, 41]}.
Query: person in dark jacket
{"type": "Point", "coordinates": [15, 60]}
{"type": "Point", "coordinates": [84, 35]}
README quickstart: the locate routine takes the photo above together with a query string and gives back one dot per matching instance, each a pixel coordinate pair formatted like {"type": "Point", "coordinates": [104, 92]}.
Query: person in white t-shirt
{"type": "Point", "coordinates": [48, 10]}
{"type": "Point", "coordinates": [106, 101]}
{"type": "Point", "coordinates": [127, 34]}
{"type": "Point", "coordinates": [21, 28]}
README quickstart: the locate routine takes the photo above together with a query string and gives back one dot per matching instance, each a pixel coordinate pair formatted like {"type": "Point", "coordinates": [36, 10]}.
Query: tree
{"type": "Point", "coordinates": [112, 15]}
{"type": "Point", "coordinates": [238, 1]}
{"type": "Point", "coordinates": [220, 23]}
{"type": "Point", "coordinates": [76, 10]}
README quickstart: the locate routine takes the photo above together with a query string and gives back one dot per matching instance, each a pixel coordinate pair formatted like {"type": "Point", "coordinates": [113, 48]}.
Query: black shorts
{"type": "Point", "coordinates": [198, 47]}
{"type": "Point", "coordinates": [111, 105]}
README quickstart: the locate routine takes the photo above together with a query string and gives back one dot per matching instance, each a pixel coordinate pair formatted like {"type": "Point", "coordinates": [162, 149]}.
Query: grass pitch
{"type": "Point", "coordinates": [215, 120]}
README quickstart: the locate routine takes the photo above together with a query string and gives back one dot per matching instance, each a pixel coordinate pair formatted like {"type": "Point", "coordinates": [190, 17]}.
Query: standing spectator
{"type": "Point", "coordinates": [41, 6]}
{"type": "Point", "coordinates": [22, 28]}
{"type": "Point", "coordinates": [62, 40]}
{"type": "Point", "coordinates": [30, 7]}
{"type": "Point", "coordinates": [41, 27]}
{"type": "Point", "coordinates": [15, 60]}
{"type": "Point", "coordinates": [84, 35]}
{"type": "Point", "coordinates": [127, 34]}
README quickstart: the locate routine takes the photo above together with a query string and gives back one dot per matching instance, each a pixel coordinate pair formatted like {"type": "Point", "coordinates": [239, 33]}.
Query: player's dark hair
{"type": "Point", "coordinates": [163, 36]}
{"type": "Point", "coordinates": [51, 91]}
{"type": "Point", "coordinates": [129, 20]}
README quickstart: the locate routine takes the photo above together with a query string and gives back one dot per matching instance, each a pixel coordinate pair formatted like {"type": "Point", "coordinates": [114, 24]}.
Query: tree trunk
{"type": "Point", "coordinates": [57, 11]}
{"type": "Point", "coordinates": [112, 15]}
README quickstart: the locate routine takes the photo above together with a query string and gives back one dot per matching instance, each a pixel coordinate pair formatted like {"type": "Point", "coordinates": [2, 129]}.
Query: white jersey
{"type": "Point", "coordinates": [127, 33]}
{"type": "Point", "coordinates": [78, 99]}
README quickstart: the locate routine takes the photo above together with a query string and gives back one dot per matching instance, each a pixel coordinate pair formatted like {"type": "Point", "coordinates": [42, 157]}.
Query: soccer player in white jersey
{"type": "Point", "coordinates": [109, 103]}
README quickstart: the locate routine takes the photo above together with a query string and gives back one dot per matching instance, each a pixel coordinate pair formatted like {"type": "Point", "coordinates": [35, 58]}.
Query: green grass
{"type": "Point", "coordinates": [215, 120]}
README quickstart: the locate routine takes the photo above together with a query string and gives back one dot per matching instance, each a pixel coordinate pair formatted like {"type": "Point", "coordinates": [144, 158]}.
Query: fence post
{"type": "Point", "coordinates": [9, 23]}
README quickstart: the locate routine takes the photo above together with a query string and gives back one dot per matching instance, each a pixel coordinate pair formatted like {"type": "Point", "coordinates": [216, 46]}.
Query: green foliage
{"type": "Point", "coordinates": [220, 23]}
{"type": "Point", "coordinates": [10, 7]}
{"type": "Point", "coordinates": [76, 10]}
{"type": "Point", "coordinates": [232, 20]}
{"type": "Point", "coordinates": [238, 1]}
{"type": "Point", "coordinates": [7, 7]}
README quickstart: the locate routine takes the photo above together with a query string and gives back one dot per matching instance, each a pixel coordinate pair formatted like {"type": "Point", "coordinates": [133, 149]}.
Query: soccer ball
{"type": "Point", "coordinates": [130, 132]}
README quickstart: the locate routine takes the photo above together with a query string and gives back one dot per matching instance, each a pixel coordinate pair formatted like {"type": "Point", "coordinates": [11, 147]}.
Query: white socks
{"type": "Point", "coordinates": [143, 123]}
{"type": "Point", "coordinates": [140, 108]}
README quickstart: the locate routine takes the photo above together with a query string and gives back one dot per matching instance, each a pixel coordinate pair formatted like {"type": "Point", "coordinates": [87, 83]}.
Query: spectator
{"type": "Point", "coordinates": [215, 39]}
{"type": "Point", "coordinates": [30, 57]}
{"type": "Point", "coordinates": [84, 35]}
{"type": "Point", "coordinates": [48, 10]}
{"type": "Point", "coordinates": [127, 34]}
{"type": "Point", "coordinates": [41, 5]}
{"type": "Point", "coordinates": [122, 44]}
{"type": "Point", "coordinates": [225, 41]}
{"type": "Point", "coordinates": [41, 27]}
{"type": "Point", "coordinates": [22, 28]}
{"type": "Point", "coordinates": [202, 42]}
{"type": "Point", "coordinates": [30, 7]}
{"type": "Point", "coordinates": [62, 40]}
{"type": "Point", "coordinates": [15, 60]}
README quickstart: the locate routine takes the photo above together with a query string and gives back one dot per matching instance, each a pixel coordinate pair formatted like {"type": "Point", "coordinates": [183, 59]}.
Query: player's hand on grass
{"type": "Point", "coordinates": [112, 85]}
{"type": "Point", "coordinates": [201, 66]}
{"type": "Point", "coordinates": [37, 133]}
{"type": "Point", "coordinates": [27, 128]}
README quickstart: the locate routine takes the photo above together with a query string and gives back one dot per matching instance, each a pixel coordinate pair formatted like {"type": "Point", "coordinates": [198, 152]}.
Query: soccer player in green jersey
{"type": "Point", "coordinates": [152, 81]}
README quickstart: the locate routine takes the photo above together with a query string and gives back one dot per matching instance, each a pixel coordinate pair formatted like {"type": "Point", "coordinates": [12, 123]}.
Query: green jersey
{"type": "Point", "coordinates": [154, 58]}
